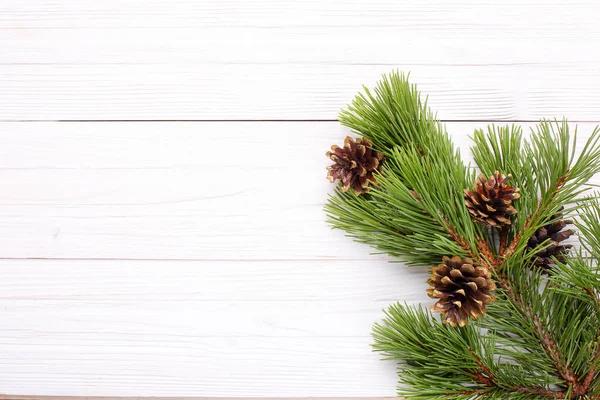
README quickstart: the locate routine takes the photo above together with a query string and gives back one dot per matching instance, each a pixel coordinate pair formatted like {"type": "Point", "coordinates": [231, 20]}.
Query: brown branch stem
{"type": "Point", "coordinates": [550, 347]}
{"type": "Point", "coordinates": [503, 239]}
{"type": "Point", "coordinates": [564, 370]}
{"type": "Point", "coordinates": [485, 256]}
{"type": "Point", "coordinates": [484, 376]}
{"type": "Point", "coordinates": [585, 384]}
{"type": "Point", "coordinates": [540, 392]}
{"type": "Point", "coordinates": [591, 293]}
{"type": "Point", "coordinates": [513, 245]}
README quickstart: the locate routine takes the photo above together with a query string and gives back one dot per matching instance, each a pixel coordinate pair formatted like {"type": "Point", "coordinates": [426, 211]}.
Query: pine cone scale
{"type": "Point", "coordinates": [371, 164]}
{"type": "Point", "coordinates": [552, 235]}
{"type": "Point", "coordinates": [354, 164]}
{"type": "Point", "coordinates": [462, 289]}
{"type": "Point", "coordinates": [490, 200]}
{"type": "Point", "coordinates": [563, 235]}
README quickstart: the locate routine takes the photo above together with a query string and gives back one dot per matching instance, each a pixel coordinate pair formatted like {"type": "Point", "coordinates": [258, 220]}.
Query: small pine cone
{"type": "Point", "coordinates": [354, 164]}
{"type": "Point", "coordinates": [555, 233]}
{"type": "Point", "coordinates": [490, 201]}
{"type": "Point", "coordinates": [462, 288]}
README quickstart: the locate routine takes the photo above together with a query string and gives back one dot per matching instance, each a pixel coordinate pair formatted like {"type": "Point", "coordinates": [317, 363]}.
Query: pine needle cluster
{"type": "Point", "coordinates": [540, 335]}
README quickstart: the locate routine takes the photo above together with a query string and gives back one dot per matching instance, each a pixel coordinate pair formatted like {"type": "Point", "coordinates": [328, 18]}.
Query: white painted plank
{"type": "Point", "coordinates": [165, 328]}
{"type": "Point", "coordinates": [178, 190]}
{"type": "Point", "coordinates": [229, 193]}
{"type": "Point", "coordinates": [180, 365]}
{"type": "Point", "coordinates": [173, 190]}
{"type": "Point", "coordinates": [201, 319]}
{"type": "Point", "coordinates": [101, 282]}
{"type": "Point", "coordinates": [416, 42]}
{"type": "Point", "coordinates": [269, 31]}
{"type": "Point", "coordinates": [288, 91]}
{"type": "Point", "coordinates": [267, 59]}
{"type": "Point", "coordinates": [513, 18]}
{"type": "Point", "coordinates": [163, 365]}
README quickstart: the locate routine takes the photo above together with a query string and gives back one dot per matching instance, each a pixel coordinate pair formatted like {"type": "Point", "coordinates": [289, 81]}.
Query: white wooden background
{"type": "Point", "coordinates": [162, 177]}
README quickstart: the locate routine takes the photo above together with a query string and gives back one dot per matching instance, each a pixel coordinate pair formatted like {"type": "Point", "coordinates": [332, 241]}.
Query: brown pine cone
{"type": "Point", "coordinates": [462, 288]}
{"type": "Point", "coordinates": [354, 164]}
{"type": "Point", "coordinates": [490, 201]}
{"type": "Point", "coordinates": [555, 234]}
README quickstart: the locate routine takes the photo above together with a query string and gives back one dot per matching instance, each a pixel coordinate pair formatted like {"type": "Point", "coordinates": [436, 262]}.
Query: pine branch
{"type": "Point", "coordinates": [483, 374]}
{"type": "Point", "coordinates": [545, 337]}
{"type": "Point", "coordinates": [532, 223]}
{"type": "Point", "coordinates": [544, 168]}
{"type": "Point", "coordinates": [589, 377]}
{"type": "Point", "coordinates": [541, 337]}
{"type": "Point", "coordinates": [564, 370]}
{"type": "Point", "coordinates": [419, 192]}
{"type": "Point", "coordinates": [414, 336]}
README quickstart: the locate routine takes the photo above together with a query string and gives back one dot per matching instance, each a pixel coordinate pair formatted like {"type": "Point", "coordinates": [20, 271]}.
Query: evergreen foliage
{"type": "Point", "coordinates": [540, 339]}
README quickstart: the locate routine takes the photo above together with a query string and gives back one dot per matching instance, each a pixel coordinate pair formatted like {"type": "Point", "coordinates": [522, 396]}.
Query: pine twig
{"type": "Point", "coordinates": [559, 184]}
{"type": "Point", "coordinates": [540, 392]}
{"type": "Point", "coordinates": [584, 387]}
{"type": "Point", "coordinates": [591, 293]}
{"type": "Point", "coordinates": [486, 256]}
{"type": "Point", "coordinates": [485, 376]}
{"type": "Point", "coordinates": [550, 347]}
{"type": "Point", "coordinates": [503, 239]}
{"type": "Point", "coordinates": [422, 158]}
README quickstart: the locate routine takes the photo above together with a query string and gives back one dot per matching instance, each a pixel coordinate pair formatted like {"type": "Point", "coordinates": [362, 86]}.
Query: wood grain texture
{"type": "Point", "coordinates": [205, 191]}
{"type": "Point", "coordinates": [268, 59]}
{"type": "Point", "coordinates": [287, 91]}
{"type": "Point", "coordinates": [512, 18]}
{"type": "Point", "coordinates": [159, 365]}
{"type": "Point", "coordinates": [274, 302]}
{"type": "Point", "coordinates": [166, 328]}
{"type": "Point", "coordinates": [366, 43]}
{"type": "Point", "coordinates": [192, 258]}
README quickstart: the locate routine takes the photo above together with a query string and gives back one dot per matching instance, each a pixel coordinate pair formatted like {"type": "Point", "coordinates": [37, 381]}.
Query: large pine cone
{"type": "Point", "coordinates": [555, 234]}
{"type": "Point", "coordinates": [490, 201]}
{"type": "Point", "coordinates": [354, 164]}
{"type": "Point", "coordinates": [462, 288]}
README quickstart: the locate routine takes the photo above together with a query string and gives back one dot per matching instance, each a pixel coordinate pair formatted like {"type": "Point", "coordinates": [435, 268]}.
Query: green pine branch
{"type": "Point", "coordinates": [540, 338]}
{"type": "Point", "coordinates": [419, 201]}
{"type": "Point", "coordinates": [544, 168]}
